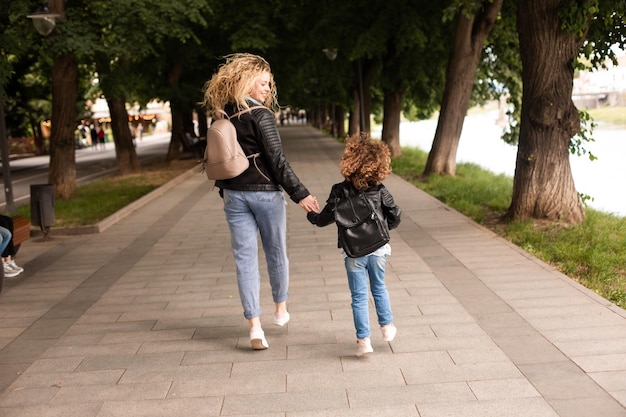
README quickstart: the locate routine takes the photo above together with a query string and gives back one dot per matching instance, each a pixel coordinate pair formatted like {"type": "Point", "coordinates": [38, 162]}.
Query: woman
{"type": "Point", "coordinates": [254, 201]}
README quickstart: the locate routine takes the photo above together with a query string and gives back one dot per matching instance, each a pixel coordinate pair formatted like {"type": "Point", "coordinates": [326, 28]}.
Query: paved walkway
{"type": "Point", "coordinates": [143, 319]}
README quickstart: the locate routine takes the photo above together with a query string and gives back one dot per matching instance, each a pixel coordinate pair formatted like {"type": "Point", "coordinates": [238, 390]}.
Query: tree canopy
{"type": "Point", "coordinates": [390, 59]}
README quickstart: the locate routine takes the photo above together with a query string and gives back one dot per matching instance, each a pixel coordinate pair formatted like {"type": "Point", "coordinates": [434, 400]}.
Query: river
{"type": "Point", "coordinates": [481, 143]}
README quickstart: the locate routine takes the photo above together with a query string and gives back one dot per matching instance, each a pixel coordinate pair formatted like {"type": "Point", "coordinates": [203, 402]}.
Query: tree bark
{"type": "Point", "coordinates": [543, 187]}
{"type": "Point", "coordinates": [469, 40]}
{"type": "Point", "coordinates": [62, 173]}
{"type": "Point", "coordinates": [354, 120]}
{"type": "Point", "coordinates": [178, 132]}
{"type": "Point", "coordinates": [340, 125]}
{"type": "Point", "coordinates": [391, 121]}
{"type": "Point", "coordinates": [125, 153]}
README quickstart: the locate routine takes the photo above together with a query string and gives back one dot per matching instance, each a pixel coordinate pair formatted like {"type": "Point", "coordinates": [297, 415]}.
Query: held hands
{"type": "Point", "coordinates": [309, 203]}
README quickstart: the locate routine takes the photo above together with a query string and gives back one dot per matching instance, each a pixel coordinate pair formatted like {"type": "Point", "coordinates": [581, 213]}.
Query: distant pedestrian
{"type": "Point", "coordinates": [140, 131]}
{"type": "Point", "coordinates": [101, 136]}
{"type": "Point", "coordinates": [364, 165]}
{"type": "Point", "coordinates": [94, 137]}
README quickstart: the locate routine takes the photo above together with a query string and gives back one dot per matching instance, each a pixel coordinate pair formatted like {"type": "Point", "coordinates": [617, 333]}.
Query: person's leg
{"type": "Point", "coordinates": [271, 215]}
{"type": "Point", "coordinates": [243, 239]}
{"type": "Point", "coordinates": [356, 269]}
{"type": "Point", "coordinates": [357, 281]}
{"type": "Point", "coordinates": [376, 269]}
{"type": "Point", "coordinates": [7, 223]}
{"type": "Point", "coordinates": [6, 236]}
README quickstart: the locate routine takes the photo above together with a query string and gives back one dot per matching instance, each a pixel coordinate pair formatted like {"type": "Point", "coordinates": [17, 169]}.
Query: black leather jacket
{"type": "Point", "coordinates": [257, 133]}
{"type": "Point", "coordinates": [382, 199]}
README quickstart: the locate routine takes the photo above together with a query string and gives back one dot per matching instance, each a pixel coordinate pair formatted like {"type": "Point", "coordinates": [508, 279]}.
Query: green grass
{"type": "Point", "coordinates": [592, 253]}
{"type": "Point", "coordinates": [614, 115]}
{"type": "Point", "coordinates": [99, 199]}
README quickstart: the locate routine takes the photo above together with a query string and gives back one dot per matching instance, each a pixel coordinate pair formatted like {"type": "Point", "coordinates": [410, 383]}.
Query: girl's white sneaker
{"type": "Point", "coordinates": [364, 346]}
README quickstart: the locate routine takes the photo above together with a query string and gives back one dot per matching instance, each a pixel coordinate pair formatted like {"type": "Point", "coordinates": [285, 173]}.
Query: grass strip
{"type": "Point", "coordinates": [592, 253]}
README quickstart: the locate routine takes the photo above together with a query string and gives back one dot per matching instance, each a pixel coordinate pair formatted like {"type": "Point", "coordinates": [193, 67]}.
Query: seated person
{"type": "Point", "coordinates": [8, 250]}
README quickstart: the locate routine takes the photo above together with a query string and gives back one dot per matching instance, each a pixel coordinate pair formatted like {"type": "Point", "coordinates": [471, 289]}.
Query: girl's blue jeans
{"type": "Point", "coordinates": [360, 270]}
{"type": "Point", "coordinates": [249, 213]}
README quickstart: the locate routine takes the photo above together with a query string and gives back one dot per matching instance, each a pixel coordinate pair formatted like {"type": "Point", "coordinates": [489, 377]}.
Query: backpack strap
{"type": "Point", "coordinates": [223, 113]}
{"type": "Point", "coordinates": [249, 109]}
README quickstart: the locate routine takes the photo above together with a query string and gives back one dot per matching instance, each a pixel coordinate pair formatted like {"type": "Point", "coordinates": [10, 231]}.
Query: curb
{"type": "Point", "coordinates": [104, 224]}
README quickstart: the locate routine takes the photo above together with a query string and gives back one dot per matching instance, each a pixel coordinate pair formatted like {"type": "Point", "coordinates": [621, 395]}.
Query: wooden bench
{"type": "Point", "coordinates": [21, 230]}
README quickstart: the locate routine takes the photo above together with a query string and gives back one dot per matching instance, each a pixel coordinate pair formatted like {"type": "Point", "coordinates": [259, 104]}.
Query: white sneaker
{"type": "Point", "coordinates": [13, 265]}
{"type": "Point", "coordinates": [365, 346]}
{"type": "Point", "coordinates": [257, 339]}
{"type": "Point", "coordinates": [389, 332]}
{"type": "Point", "coordinates": [8, 271]}
{"type": "Point", "coordinates": [281, 320]}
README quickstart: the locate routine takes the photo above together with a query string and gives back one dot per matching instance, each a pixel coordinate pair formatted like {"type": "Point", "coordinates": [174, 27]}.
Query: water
{"type": "Point", "coordinates": [481, 143]}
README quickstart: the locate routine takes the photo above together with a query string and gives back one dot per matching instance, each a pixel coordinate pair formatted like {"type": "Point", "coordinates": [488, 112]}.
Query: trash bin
{"type": "Point", "coordinates": [42, 206]}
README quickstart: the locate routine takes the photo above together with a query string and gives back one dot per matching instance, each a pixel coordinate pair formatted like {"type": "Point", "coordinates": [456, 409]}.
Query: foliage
{"type": "Point", "coordinates": [602, 23]}
{"type": "Point", "coordinates": [577, 142]}
{"type": "Point", "coordinates": [593, 253]}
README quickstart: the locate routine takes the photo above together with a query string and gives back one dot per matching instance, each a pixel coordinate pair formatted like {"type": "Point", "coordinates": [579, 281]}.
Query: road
{"type": "Point", "coordinates": [91, 164]}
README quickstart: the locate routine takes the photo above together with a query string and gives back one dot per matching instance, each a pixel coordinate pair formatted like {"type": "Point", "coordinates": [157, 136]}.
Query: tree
{"type": "Point", "coordinates": [551, 34]}
{"type": "Point", "coordinates": [474, 22]}
{"type": "Point", "coordinates": [62, 173]}
{"type": "Point", "coordinates": [131, 38]}
{"type": "Point", "coordinates": [412, 61]}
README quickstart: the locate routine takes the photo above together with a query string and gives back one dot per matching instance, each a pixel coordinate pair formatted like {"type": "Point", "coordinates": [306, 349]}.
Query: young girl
{"type": "Point", "coordinates": [364, 165]}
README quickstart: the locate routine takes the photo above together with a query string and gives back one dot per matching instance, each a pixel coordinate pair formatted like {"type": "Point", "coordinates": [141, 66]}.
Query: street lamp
{"type": "Point", "coordinates": [44, 20]}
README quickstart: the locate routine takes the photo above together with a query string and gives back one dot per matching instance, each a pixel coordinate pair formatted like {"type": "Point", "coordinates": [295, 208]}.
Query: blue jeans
{"type": "Point", "coordinates": [6, 236]}
{"type": "Point", "coordinates": [247, 214]}
{"type": "Point", "coordinates": [359, 270]}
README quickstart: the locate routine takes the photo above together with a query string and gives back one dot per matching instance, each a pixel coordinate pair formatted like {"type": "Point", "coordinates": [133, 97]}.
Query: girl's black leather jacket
{"type": "Point", "coordinates": [382, 199]}
{"type": "Point", "coordinates": [257, 133]}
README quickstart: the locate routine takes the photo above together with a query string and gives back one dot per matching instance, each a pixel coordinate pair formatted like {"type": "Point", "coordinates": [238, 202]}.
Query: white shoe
{"type": "Point", "coordinates": [389, 332]}
{"type": "Point", "coordinates": [365, 346]}
{"type": "Point", "coordinates": [282, 319]}
{"type": "Point", "coordinates": [8, 271]}
{"type": "Point", "coordinates": [257, 340]}
{"type": "Point", "coordinates": [13, 265]}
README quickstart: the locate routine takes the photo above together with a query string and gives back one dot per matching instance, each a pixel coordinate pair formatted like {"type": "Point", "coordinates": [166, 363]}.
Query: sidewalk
{"type": "Point", "coordinates": [144, 319]}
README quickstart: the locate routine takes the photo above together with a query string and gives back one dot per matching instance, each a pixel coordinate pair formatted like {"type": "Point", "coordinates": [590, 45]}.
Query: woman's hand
{"type": "Point", "coordinates": [309, 203]}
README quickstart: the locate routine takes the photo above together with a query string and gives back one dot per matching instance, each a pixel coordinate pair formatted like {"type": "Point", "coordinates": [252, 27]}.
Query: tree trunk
{"type": "Point", "coordinates": [38, 138]}
{"type": "Point", "coordinates": [354, 120]}
{"type": "Point", "coordinates": [368, 78]}
{"type": "Point", "coordinates": [543, 187]}
{"type": "Point", "coordinates": [125, 153]}
{"type": "Point", "coordinates": [202, 121]}
{"type": "Point", "coordinates": [391, 121]}
{"type": "Point", "coordinates": [469, 40]}
{"type": "Point", "coordinates": [340, 125]}
{"type": "Point", "coordinates": [178, 132]}
{"type": "Point", "coordinates": [62, 173]}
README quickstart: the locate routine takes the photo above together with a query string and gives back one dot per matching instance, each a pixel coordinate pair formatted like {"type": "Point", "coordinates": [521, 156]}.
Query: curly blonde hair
{"type": "Point", "coordinates": [234, 80]}
{"type": "Point", "coordinates": [365, 162]}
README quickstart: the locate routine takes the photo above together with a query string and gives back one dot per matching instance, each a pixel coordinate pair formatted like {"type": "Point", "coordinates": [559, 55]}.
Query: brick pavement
{"type": "Point", "coordinates": [143, 319]}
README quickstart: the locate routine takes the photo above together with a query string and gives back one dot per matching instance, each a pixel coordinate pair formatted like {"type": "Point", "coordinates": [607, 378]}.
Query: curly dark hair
{"type": "Point", "coordinates": [365, 162]}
